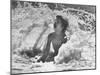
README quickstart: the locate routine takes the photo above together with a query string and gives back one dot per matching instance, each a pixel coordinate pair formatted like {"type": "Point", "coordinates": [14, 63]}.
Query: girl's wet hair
{"type": "Point", "coordinates": [64, 22]}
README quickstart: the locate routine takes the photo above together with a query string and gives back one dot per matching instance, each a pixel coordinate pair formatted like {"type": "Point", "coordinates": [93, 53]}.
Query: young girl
{"type": "Point", "coordinates": [57, 38]}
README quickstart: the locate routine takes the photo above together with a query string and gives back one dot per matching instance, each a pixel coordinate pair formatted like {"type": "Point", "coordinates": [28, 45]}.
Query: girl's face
{"type": "Point", "coordinates": [58, 28]}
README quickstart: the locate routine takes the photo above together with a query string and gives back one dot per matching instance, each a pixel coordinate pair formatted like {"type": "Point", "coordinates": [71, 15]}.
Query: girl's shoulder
{"type": "Point", "coordinates": [51, 35]}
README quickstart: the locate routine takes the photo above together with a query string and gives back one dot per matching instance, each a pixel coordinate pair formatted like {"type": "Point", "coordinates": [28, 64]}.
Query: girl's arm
{"type": "Point", "coordinates": [46, 50]}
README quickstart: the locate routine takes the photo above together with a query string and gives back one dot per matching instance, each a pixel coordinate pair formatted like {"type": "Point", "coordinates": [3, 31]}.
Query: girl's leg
{"type": "Point", "coordinates": [50, 57]}
{"type": "Point", "coordinates": [44, 56]}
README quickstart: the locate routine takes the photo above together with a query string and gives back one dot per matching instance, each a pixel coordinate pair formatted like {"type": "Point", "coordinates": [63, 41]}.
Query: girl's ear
{"type": "Point", "coordinates": [63, 29]}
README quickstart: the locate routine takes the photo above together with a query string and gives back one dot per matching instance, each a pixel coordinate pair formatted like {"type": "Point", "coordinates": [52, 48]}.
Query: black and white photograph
{"type": "Point", "coordinates": [52, 37]}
